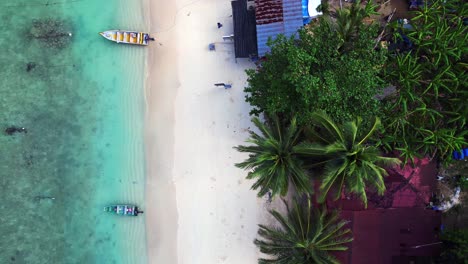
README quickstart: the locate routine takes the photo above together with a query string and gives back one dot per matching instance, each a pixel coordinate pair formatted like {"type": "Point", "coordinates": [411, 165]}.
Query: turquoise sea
{"type": "Point", "coordinates": [82, 103]}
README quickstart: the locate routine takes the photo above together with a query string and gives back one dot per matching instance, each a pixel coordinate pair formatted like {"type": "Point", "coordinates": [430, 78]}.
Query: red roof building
{"type": "Point", "coordinates": [395, 228]}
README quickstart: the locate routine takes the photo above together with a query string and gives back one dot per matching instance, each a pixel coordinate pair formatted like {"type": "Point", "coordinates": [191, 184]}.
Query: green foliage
{"type": "Point", "coordinates": [321, 70]}
{"type": "Point", "coordinates": [429, 114]}
{"type": "Point", "coordinates": [346, 158]}
{"type": "Point", "coordinates": [349, 20]}
{"type": "Point", "coordinates": [455, 247]}
{"type": "Point", "coordinates": [463, 183]}
{"type": "Point", "coordinates": [272, 160]}
{"type": "Point", "coordinates": [305, 235]}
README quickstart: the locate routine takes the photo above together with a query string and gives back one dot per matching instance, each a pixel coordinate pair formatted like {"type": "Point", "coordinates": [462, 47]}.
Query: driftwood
{"type": "Point", "coordinates": [383, 30]}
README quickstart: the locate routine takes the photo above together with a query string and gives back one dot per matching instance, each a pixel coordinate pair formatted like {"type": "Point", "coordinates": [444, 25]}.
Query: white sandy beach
{"type": "Point", "coordinates": [200, 208]}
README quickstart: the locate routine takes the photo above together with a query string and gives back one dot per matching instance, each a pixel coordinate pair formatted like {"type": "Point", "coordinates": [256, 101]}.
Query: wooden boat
{"type": "Point", "coordinates": [123, 209]}
{"type": "Point", "coordinates": [127, 37]}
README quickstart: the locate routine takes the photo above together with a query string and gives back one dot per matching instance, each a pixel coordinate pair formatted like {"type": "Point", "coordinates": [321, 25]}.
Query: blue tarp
{"type": "Point", "coordinates": [305, 12]}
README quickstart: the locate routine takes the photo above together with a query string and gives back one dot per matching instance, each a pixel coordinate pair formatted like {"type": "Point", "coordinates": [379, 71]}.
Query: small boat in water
{"type": "Point", "coordinates": [123, 209]}
{"type": "Point", "coordinates": [127, 37]}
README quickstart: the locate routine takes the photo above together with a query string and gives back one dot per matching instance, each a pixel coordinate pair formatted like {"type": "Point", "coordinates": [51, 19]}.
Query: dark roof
{"type": "Point", "coordinates": [392, 224]}
{"type": "Point", "coordinates": [275, 17]}
{"type": "Point", "coordinates": [405, 187]}
{"type": "Point", "coordinates": [388, 236]}
{"type": "Point", "coordinates": [245, 33]}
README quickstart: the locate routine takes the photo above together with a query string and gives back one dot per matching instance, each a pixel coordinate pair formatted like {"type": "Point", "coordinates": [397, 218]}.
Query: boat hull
{"type": "Point", "coordinates": [123, 209]}
{"type": "Point", "coordinates": [127, 37]}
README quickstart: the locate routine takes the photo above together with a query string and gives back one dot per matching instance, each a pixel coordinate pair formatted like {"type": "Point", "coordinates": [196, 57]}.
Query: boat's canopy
{"type": "Point", "coordinates": [130, 210]}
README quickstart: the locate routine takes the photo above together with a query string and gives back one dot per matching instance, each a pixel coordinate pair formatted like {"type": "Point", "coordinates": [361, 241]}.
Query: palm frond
{"type": "Point", "coordinates": [305, 235]}
{"type": "Point", "coordinates": [272, 161]}
{"type": "Point", "coordinates": [345, 158]}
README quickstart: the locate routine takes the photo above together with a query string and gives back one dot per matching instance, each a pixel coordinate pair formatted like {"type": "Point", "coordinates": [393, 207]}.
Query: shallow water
{"type": "Point", "coordinates": [82, 106]}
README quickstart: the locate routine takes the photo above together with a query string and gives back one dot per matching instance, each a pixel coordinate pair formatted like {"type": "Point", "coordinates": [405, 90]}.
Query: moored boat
{"type": "Point", "coordinates": [127, 37]}
{"type": "Point", "coordinates": [123, 209]}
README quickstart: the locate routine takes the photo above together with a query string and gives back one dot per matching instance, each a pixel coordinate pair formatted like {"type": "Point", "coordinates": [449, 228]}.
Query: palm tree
{"type": "Point", "coordinates": [304, 235]}
{"type": "Point", "coordinates": [272, 160]}
{"type": "Point", "coordinates": [346, 158]}
{"type": "Point", "coordinates": [350, 20]}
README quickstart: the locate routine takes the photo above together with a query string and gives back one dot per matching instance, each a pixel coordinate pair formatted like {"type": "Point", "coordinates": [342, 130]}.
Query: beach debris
{"type": "Point", "coordinates": [211, 46]}
{"type": "Point", "coordinates": [445, 205]}
{"type": "Point", "coordinates": [228, 37]}
{"type": "Point", "coordinates": [225, 85]}
{"type": "Point", "coordinates": [30, 66]}
{"type": "Point", "coordinates": [219, 25]}
{"type": "Point", "coordinates": [12, 130]}
{"type": "Point", "coordinates": [54, 33]}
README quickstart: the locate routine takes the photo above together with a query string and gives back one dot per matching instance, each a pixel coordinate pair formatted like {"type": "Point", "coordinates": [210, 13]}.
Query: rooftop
{"type": "Point", "coordinates": [392, 236]}
{"type": "Point", "coordinates": [245, 33]}
{"type": "Point", "coordinates": [275, 17]}
{"type": "Point", "coordinates": [394, 224]}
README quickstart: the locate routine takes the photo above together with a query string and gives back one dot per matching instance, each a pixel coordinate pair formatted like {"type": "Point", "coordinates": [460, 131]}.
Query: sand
{"type": "Point", "coordinates": [200, 208]}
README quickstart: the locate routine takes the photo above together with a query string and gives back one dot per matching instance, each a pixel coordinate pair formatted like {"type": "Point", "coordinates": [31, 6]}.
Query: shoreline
{"type": "Point", "coordinates": [160, 90]}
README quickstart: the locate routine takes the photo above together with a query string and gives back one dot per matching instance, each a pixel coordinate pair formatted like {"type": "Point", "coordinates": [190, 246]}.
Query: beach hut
{"type": "Point", "coordinates": [255, 21]}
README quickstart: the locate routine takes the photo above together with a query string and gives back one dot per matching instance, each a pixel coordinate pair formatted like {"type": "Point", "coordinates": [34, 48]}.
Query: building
{"type": "Point", "coordinates": [395, 228]}
{"type": "Point", "coordinates": [255, 21]}
{"type": "Point", "coordinates": [392, 236]}
{"type": "Point", "coordinates": [274, 17]}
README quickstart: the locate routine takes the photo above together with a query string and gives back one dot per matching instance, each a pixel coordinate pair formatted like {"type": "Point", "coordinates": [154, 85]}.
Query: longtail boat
{"type": "Point", "coordinates": [123, 209]}
{"type": "Point", "coordinates": [127, 37]}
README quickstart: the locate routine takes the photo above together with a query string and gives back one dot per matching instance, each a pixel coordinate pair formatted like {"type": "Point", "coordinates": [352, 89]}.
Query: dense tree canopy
{"type": "Point", "coordinates": [428, 114]}
{"type": "Point", "coordinates": [326, 68]}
